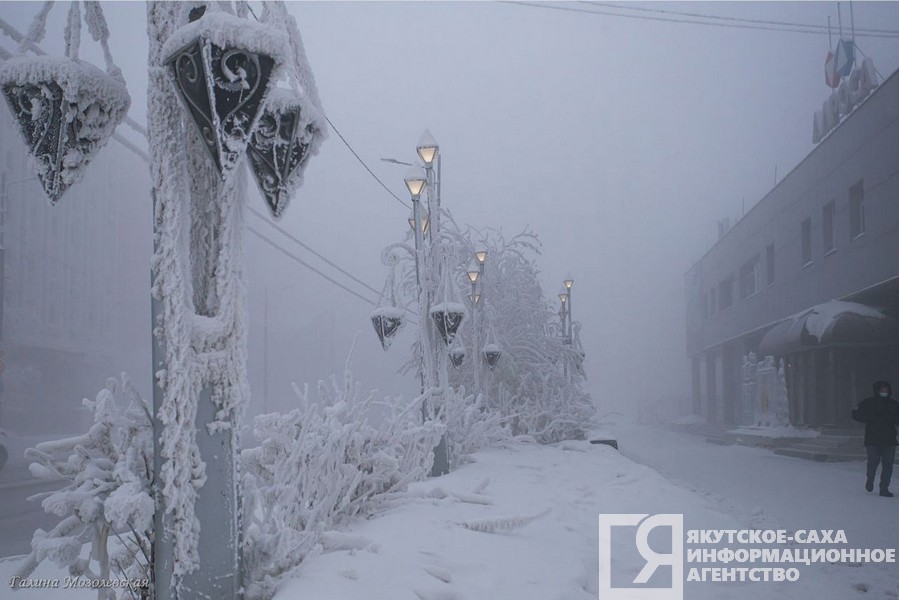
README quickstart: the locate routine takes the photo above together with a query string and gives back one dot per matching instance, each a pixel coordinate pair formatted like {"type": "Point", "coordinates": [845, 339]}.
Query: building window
{"type": "Point", "coordinates": [827, 215]}
{"type": "Point", "coordinates": [769, 263]}
{"type": "Point", "coordinates": [726, 293]}
{"type": "Point", "coordinates": [750, 277]}
{"type": "Point", "coordinates": [806, 242]}
{"type": "Point", "coordinates": [856, 210]}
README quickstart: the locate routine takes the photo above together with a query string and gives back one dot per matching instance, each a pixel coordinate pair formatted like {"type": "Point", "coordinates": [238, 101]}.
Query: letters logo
{"type": "Point", "coordinates": [651, 560]}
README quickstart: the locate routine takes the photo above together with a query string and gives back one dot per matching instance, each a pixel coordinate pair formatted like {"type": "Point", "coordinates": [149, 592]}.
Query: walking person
{"type": "Point", "coordinates": [880, 414]}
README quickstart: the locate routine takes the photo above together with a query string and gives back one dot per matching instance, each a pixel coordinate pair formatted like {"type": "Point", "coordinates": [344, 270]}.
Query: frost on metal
{"type": "Point", "coordinates": [198, 262]}
{"type": "Point", "coordinates": [286, 136]}
{"type": "Point", "coordinates": [448, 316]}
{"type": "Point", "coordinates": [292, 126]}
{"type": "Point", "coordinates": [66, 110]}
{"type": "Point", "coordinates": [223, 67]}
{"type": "Point", "coordinates": [388, 321]}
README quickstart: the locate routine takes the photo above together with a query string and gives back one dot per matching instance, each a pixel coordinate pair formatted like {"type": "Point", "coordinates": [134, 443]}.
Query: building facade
{"type": "Point", "coordinates": [74, 303]}
{"type": "Point", "coordinates": [809, 275]}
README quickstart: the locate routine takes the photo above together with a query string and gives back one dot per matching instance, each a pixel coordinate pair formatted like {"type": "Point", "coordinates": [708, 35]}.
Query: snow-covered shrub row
{"type": "Point", "coordinates": [109, 472]}
{"type": "Point", "coordinates": [470, 426]}
{"type": "Point", "coordinates": [321, 464]}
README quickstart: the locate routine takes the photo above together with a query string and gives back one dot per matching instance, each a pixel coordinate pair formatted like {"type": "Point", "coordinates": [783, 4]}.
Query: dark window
{"type": "Point", "coordinates": [827, 215]}
{"type": "Point", "coordinates": [769, 260]}
{"type": "Point", "coordinates": [750, 277]}
{"type": "Point", "coordinates": [856, 210]}
{"type": "Point", "coordinates": [806, 241]}
{"type": "Point", "coordinates": [726, 293]}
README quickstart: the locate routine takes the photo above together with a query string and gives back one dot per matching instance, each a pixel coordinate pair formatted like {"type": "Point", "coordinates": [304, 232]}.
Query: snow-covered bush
{"type": "Point", "coordinates": [109, 472]}
{"type": "Point", "coordinates": [321, 464]}
{"type": "Point", "coordinates": [470, 426]}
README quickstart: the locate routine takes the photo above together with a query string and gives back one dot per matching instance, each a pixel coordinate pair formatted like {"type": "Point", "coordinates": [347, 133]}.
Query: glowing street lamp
{"type": "Point", "coordinates": [481, 256]}
{"type": "Point", "coordinates": [415, 182]}
{"type": "Point", "coordinates": [473, 273]}
{"type": "Point", "coordinates": [569, 281]}
{"type": "Point", "coordinates": [427, 148]}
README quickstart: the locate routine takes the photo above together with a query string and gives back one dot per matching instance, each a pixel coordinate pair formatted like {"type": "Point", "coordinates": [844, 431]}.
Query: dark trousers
{"type": "Point", "coordinates": [885, 456]}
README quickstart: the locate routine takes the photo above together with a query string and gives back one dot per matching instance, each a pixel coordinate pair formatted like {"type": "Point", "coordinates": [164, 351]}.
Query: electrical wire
{"type": "Point", "coordinates": [296, 240]}
{"type": "Point", "coordinates": [682, 21]}
{"type": "Point", "coordinates": [734, 19]}
{"type": "Point", "coordinates": [362, 162]}
{"type": "Point", "coordinates": [296, 258]}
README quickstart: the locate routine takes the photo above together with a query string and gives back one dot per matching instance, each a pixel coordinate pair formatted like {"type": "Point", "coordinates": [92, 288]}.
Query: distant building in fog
{"type": "Point", "coordinates": [828, 231]}
{"type": "Point", "coordinates": [75, 282]}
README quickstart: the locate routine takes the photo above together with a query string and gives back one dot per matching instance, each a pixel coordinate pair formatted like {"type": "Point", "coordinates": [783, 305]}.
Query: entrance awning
{"type": "Point", "coordinates": [831, 323]}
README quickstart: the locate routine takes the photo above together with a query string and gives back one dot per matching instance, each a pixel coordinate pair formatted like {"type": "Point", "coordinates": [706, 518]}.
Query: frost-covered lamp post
{"type": "Point", "coordinates": [211, 102]}
{"type": "Point", "coordinates": [568, 282]}
{"type": "Point", "coordinates": [474, 273]}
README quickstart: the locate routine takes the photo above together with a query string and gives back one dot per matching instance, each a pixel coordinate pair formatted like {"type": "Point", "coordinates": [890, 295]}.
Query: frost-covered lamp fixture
{"type": "Point", "coordinates": [425, 221]}
{"type": "Point", "coordinates": [449, 314]}
{"type": "Point", "coordinates": [481, 256]}
{"type": "Point", "coordinates": [473, 272]}
{"type": "Point", "coordinates": [387, 320]}
{"type": "Point", "coordinates": [569, 281]}
{"type": "Point", "coordinates": [456, 354]}
{"type": "Point", "coordinates": [563, 296]}
{"type": "Point", "coordinates": [415, 182]}
{"type": "Point", "coordinates": [474, 298]}
{"type": "Point", "coordinates": [223, 67]}
{"type": "Point", "coordinates": [289, 132]}
{"type": "Point", "coordinates": [65, 108]}
{"type": "Point", "coordinates": [492, 354]}
{"type": "Point", "coordinates": [427, 148]}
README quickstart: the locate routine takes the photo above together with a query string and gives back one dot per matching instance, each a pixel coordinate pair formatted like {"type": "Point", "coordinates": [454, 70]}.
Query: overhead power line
{"type": "Point", "coordinates": [299, 260]}
{"type": "Point", "coordinates": [739, 25]}
{"type": "Point", "coordinates": [822, 28]}
{"type": "Point", "coordinates": [362, 162]}
{"type": "Point", "coordinates": [305, 246]}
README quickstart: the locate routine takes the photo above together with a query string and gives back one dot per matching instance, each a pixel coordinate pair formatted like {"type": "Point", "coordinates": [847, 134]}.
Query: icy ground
{"type": "Point", "coordinates": [429, 547]}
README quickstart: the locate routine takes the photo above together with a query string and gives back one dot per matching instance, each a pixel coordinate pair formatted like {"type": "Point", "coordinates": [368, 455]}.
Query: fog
{"type": "Point", "coordinates": [619, 140]}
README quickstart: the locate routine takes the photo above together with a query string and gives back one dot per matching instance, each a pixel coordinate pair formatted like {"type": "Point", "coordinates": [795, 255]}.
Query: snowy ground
{"type": "Point", "coordinates": [421, 549]}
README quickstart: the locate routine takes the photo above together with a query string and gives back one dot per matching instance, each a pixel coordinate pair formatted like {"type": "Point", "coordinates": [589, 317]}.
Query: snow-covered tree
{"type": "Point", "coordinates": [107, 496]}
{"type": "Point", "coordinates": [537, 386]}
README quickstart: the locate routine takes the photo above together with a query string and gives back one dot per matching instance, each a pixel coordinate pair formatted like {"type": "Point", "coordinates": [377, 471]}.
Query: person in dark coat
{"type": "Point", "coordinates": [880, 414]}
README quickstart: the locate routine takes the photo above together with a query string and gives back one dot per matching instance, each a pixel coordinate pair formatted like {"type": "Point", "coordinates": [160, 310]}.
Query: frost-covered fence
{"type": "Point", "coordinates": [764, 392]}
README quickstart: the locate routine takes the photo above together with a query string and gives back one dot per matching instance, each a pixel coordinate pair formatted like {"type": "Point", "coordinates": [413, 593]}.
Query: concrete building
{"type": "Point", "coordinates": [75, 284]}
{"type": "Point", "coordinates": [828, 231]}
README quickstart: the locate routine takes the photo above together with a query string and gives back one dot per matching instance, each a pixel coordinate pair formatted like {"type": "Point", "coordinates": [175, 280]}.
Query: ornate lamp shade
{"type": "Point", "coordinates": [222, 67]}
{"type": "Point", "coordinates": [457, 356]}
{"type": "Point", "coordinates": [491, 355]}
{"type": "Point", "coordinates": [388, 321]}
{"type": "Point", "coordinates": [66, 111]}
{"type": "Point", "coordinates": [287, 135]}
{"type": "Point", "coordinates": [448, 316]}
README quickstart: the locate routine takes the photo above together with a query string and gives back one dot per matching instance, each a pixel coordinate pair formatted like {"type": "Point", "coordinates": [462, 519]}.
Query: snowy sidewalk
{"type": "Point", "coordinates": [423, 549]}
